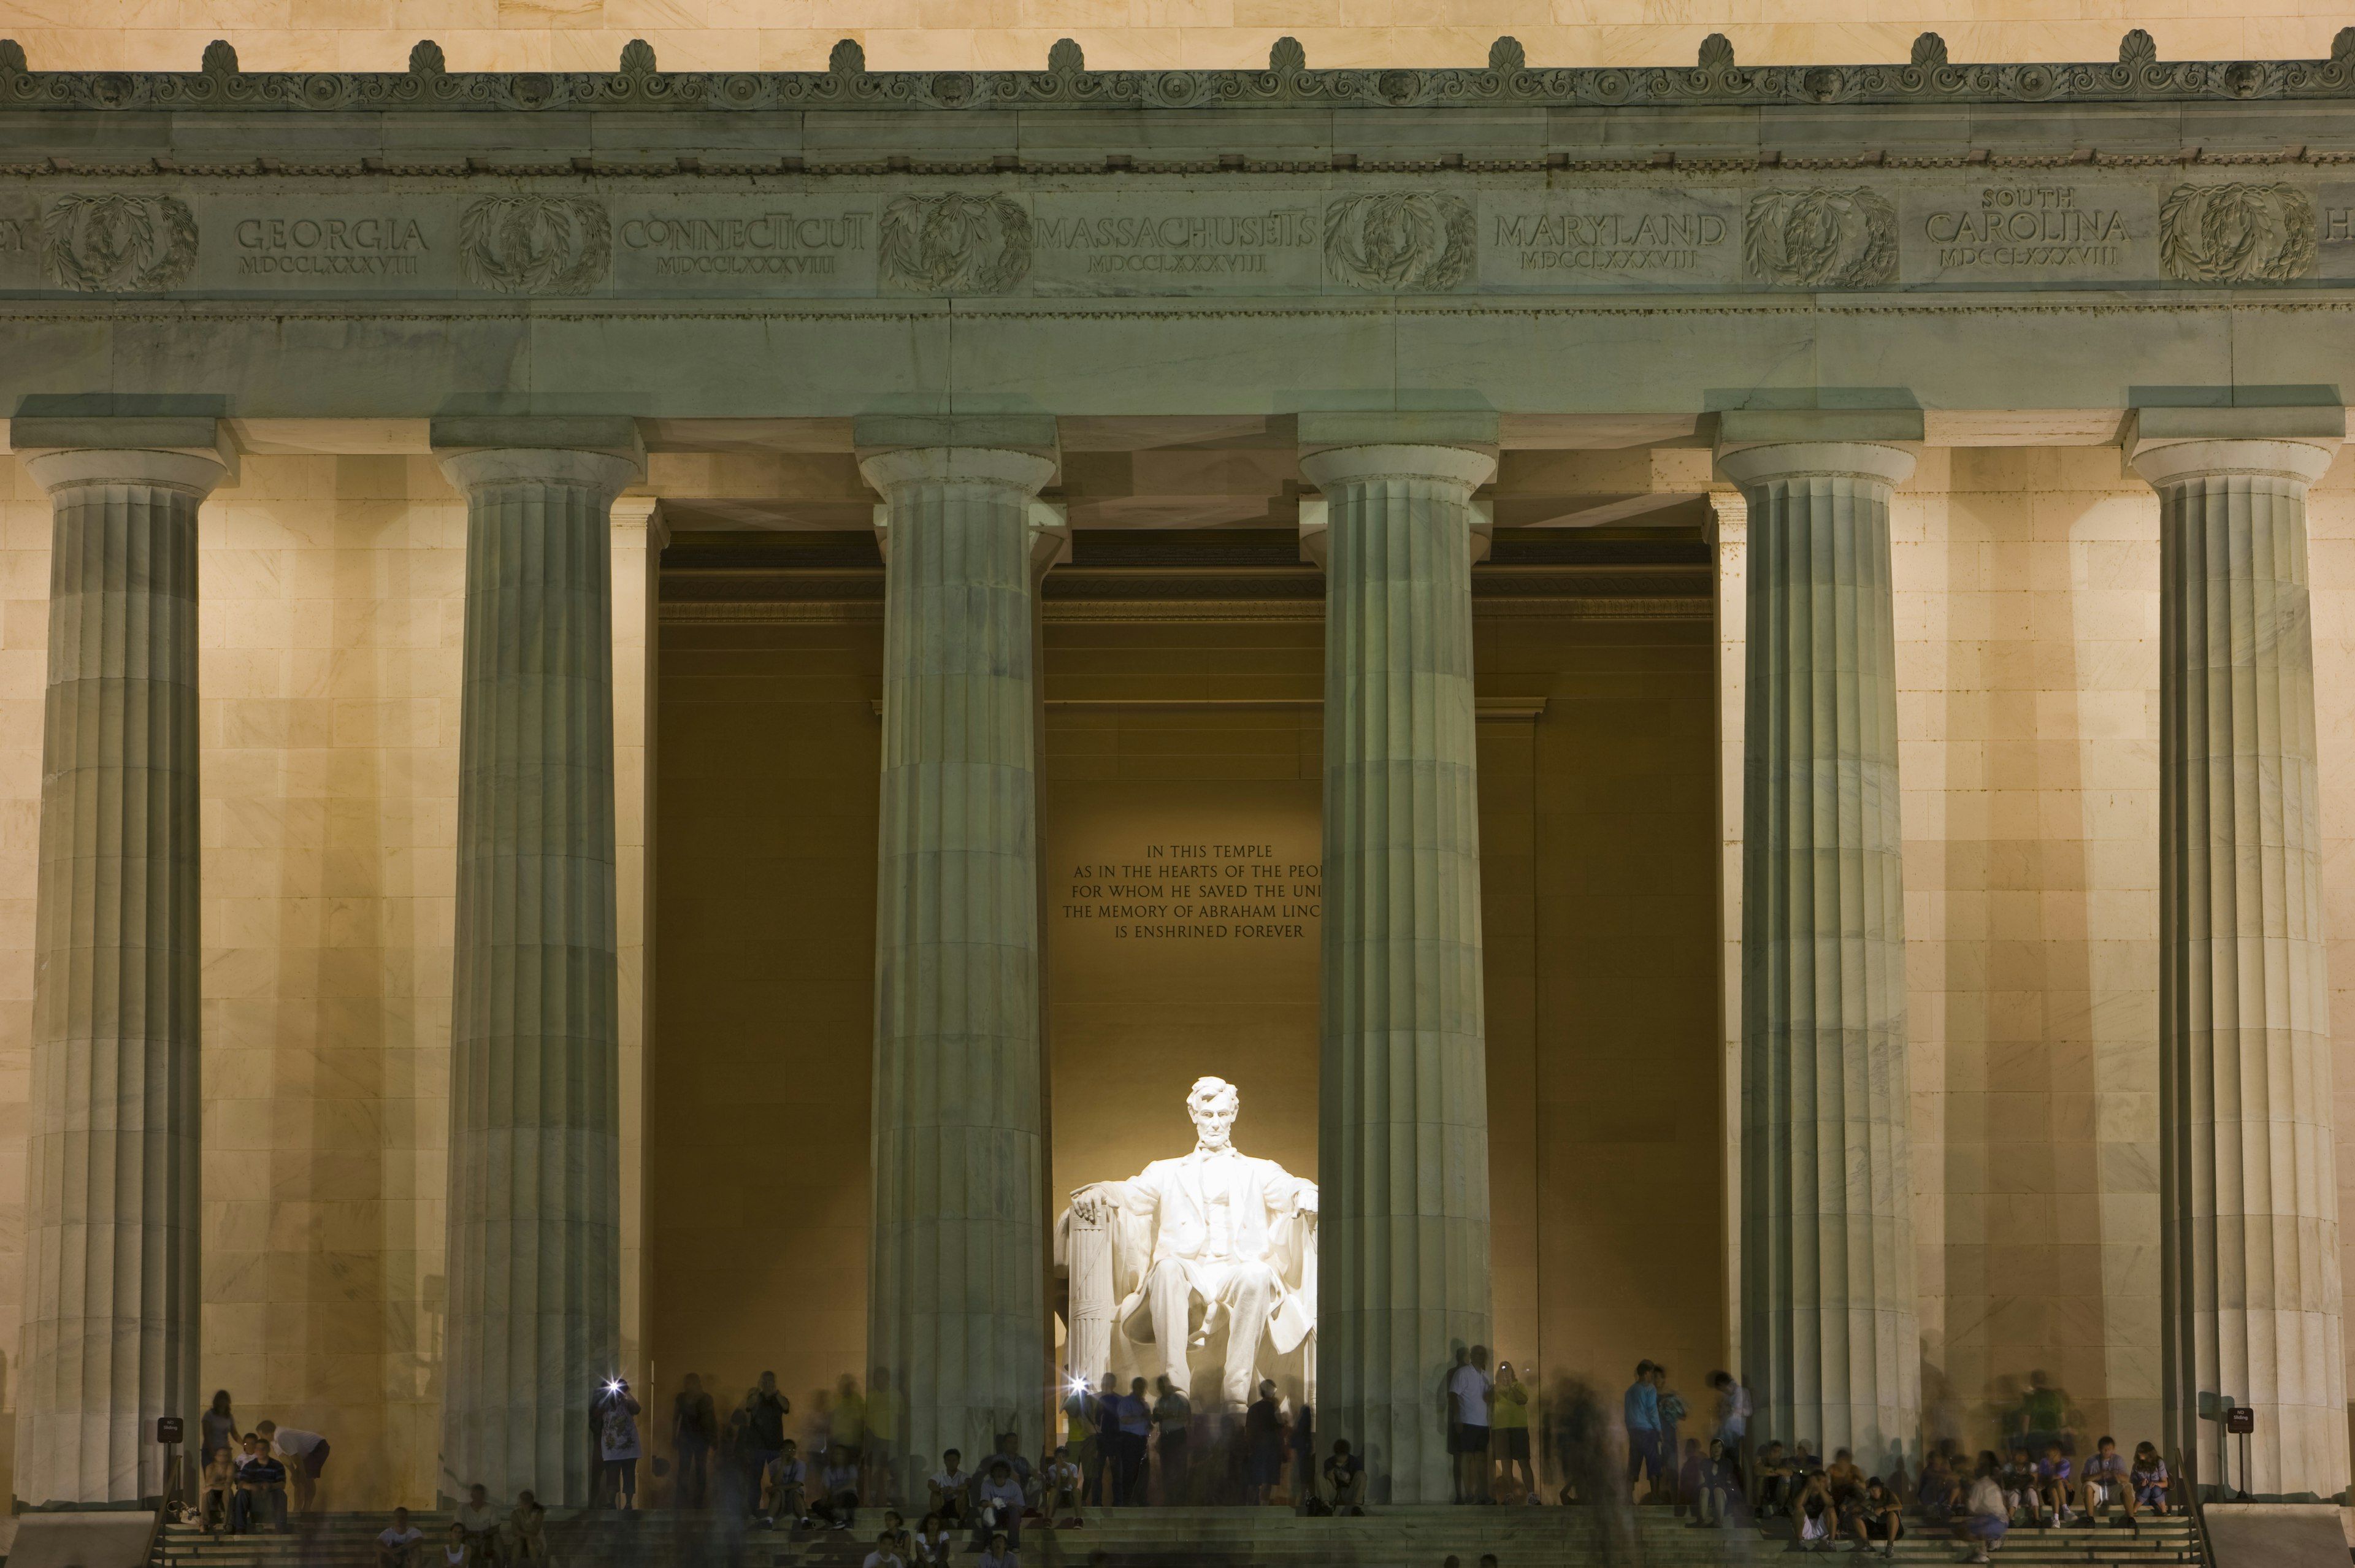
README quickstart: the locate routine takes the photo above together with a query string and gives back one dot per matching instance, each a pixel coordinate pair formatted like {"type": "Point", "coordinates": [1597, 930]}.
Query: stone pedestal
{"type": "Point", "coordinates": [111, 1289]}
{"type": "Point", "coordinates": [2249, 1246]}
{"type": "Point", "coordinates": [1830, 1337]}
{"type": "Point", "coordinates": [534, 1196]}
{"type": "Point", "coordinates": [1404, 1130]}
{"type": "Point", "coordinates": [957, 1315]}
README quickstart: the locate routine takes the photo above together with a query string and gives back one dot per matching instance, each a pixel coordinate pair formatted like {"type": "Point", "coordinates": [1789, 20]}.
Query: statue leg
{"type": "Point", "coordinates": [1249, 1296]}
{"type": "Point", "coordinates": [1169, 1295]}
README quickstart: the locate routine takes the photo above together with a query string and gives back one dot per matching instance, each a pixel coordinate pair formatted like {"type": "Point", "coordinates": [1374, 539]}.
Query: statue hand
{"type": "Point", "coordinates": [1095, 1203]}
{"type": "Point", "coordinates": [1308, 1200]}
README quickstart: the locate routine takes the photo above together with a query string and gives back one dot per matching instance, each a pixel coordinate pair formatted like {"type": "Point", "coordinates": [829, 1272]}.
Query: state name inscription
{"type": "Point", "coordinates": [1197, 892]}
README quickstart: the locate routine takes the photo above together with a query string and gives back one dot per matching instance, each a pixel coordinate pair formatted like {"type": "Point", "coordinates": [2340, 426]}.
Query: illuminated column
{"type": "Point", "coordinates": [111, 1292]}
{"type": "Point", "coordinates": [2249, 1240]}
{"type": "Point", "coordinates": [1831, 1335]}
{"type": "Point", "coordinates": [535, 1037]}
{"type": "Point", "coordinates": [955, 1295]}
{"type": "Point", "coordinates": [1403, 1123]}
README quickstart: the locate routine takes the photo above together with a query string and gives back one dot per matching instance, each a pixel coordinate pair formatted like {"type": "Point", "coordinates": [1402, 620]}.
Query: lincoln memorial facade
{"type": "Point", "coordinates": [659, 721]}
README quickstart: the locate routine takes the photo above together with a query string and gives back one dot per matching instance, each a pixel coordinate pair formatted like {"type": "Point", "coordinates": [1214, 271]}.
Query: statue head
{"type": "Point", "coordinates": [1213, 1103]}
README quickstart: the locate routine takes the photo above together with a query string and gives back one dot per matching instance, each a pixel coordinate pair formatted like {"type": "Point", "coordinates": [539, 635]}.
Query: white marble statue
{"type": "Point", "coordinates": [1213, 1253]}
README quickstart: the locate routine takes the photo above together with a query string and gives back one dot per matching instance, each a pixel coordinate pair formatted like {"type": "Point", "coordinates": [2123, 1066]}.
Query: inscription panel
{"type": "Point", "coordinates": [778, 243]}
{"type": "Point", "coordinates": [1610, 238]}
{"type": "Point", "coordinates": [2334, 220]}
{"type": "Point", "coordinates": [379, 244]}
{"type": "Point", "coordinates": [1187, 890]}
{"type": "Point", "coordinates": [1180, 243]}
{"type": "Point", "coordinates": [2029, 233]}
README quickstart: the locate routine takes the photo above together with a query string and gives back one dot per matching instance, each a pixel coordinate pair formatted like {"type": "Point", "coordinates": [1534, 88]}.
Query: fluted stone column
{"type": "Point", "coordinates": [1830, 1336]}
{"type": "Point", "coordinates": [2249, 1246]}
{"type": "Point", "coordinates": [535, 1185]}
{"type": "Point", "coordinates": [110, 1305]}
{"type": "Point", "coordinates": [1403, 1161]}
{"type": "Point", "coordinates": [955, 1314]}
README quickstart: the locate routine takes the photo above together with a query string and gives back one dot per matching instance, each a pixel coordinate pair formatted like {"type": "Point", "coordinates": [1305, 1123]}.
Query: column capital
{"type": "Point", "coordinates": [881, 434]}
{"type": "Point", "coordinates": [596, 452]}
{"type": "Point", "coordinates": [1770, 461]}
{"type": "Point", "coordinates": [2173, 445]}
{"type": "Point", "coordinates": [1468, 467]}
{"type": "Point", "coordinates": [1027, 472]}
{"type": "Point", "coordinates": [191, 453]}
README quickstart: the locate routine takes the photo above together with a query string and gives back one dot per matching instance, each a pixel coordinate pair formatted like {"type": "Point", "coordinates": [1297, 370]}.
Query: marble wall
{"type": "Point", "coordinates": [2027, 586]}
{"type": "Point", "coordinates": [909, 35]}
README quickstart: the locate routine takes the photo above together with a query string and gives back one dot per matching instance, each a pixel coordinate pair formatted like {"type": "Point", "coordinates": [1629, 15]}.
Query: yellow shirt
{"type": "Point", "coordinates": [1511, 1407]}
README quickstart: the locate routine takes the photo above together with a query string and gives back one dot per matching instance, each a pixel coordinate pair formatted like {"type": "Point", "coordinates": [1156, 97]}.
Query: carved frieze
{"type": "Point", "coordinates": [105, 243]}
{"type": "Point", "coordinates": [2237, 233]}
{"type": "Point", "coordinates": [954, 243]}
{"type": "Point", "coordinates": [1821, 238]}
{"type": "Point", "coordinates": [1400, 242]}
{"type": "Point", "coordinates": [1984, 230]}
{"type": "Point", "coordinates": [534, 244]}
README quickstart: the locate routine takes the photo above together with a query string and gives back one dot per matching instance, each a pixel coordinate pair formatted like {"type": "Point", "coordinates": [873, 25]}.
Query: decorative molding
{"type": "Point", "coordinates": [952, 243]}
{"type": "Point", "coordinates": [534, 244]}
{"type": "Point", "coordinates": [116, 244]}
{"type": "Point", "coordinates": [1401, 241]}
{"type": "Point", "coordinates": [2138, 76]}
{"type": "Point", "coordinates": [1821, 238]}
{"type": "Point", "coordinates": [2237, 233]}
{"type": "Point", "coordinates": [1584, 607]}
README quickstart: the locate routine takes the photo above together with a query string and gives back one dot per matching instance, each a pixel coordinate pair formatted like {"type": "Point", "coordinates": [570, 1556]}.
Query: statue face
{"type": "Point", "coordinates": [1214, 1118]}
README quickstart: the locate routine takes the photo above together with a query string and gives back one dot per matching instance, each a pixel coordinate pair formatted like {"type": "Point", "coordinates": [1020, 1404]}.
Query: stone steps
{"type": "Point", "coordinates": [1199, 1538]}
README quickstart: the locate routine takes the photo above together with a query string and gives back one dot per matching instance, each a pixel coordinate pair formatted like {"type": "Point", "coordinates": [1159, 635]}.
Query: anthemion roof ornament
{"type": "Point", "coordinates": [2138, 75]}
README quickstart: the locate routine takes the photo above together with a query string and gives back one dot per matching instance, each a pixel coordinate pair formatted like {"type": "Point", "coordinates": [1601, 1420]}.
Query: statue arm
{"type": "Point", "coordinates": [1104, 1199]}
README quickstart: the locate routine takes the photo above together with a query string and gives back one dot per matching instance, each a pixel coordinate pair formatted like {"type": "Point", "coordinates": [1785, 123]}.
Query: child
{"type": "Point", "coordinates": [2018, 1479]}
{"type": "Point", "coordinates": [1062, 1488]}
{"type": "Point", "coordinates": [2147, 1483]}
{"type": "Point", "coordinates": [2052, 1489]}
{"type": "Point", "coordinates": [998, 1554]}
{"type": "Point", "coordinates": [887, 1550]}
{"type": "Point", "coordinates": [2104, 1480]}
{"type": "Point", "coordinates": [220, 1481]}
{"type": "Point", "coordinates": [950, 1488]}
{"type": "Point", "coordinates": [789, 1496]}
{"type": "Point", "coordinates": [933, 1543]}
{"type": "Point", "coordinates": [1689, 1478]}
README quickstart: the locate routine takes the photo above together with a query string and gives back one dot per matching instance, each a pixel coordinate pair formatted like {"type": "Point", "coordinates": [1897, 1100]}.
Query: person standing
{"type": "Point", "coordinates": [305, 1455]}
{"type": "Point", "coordinates": [1263, 1442]}
{"type": "Point", "coordinates": [218, 1429]}
{"type": "Point", "coordinates": [1173, 1416]}
{"type": "Point", "coordinates": [1641, 1410]}
{"type": "Point", "coordinates": [1672, 1413]}
{"type": "Point", "coordinates": [1135, 1425]}
{"type": "Point", "coordinates": [1467, 1427]}
{"type": "Point", "coordinates": [765, 1409]}
{"type": "Point", "coordinates": [617, 1445]}
{"type": "Point", "coordinates": [850, 1420]}
{"type": "Point", "coordinates": [694, 1428]}
{"type": "Point", "coordinates": [1080, 1417]}
{"type": "Point", "coordinates": [1509, 1431]}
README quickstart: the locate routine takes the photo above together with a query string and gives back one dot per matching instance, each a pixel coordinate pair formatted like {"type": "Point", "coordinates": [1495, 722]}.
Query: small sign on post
{"type": "Point", "coordinates": [168, 1429]}
{"type": "Point", "coordinates": [2241, 1419]}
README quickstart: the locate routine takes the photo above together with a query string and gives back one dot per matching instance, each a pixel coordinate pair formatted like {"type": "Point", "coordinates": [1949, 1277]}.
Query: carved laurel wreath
{"type": "Point", "coordinates": [1821, 238]}
{"type": "Point", "coordinates": [1400, 242]}
{"type": "Point", "coordinates": [2236, 233]}
{"type": "Point", "coordinates": [955, 244]}
{"type": "Point", "coordinates": [114, 244]}
{"type": "Point", "coordinates": [534, 244]}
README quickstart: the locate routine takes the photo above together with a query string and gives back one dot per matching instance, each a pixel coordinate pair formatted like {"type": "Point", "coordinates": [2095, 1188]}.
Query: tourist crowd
{"type": "Point", "coordinates": [246, 1476]}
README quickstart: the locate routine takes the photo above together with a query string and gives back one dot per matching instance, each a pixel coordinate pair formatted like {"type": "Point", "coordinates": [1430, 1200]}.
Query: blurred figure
{"type": "Point", "coordinates": [1508, 1431]}
{"type": "Point", "coordinates": [693, 1432]}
